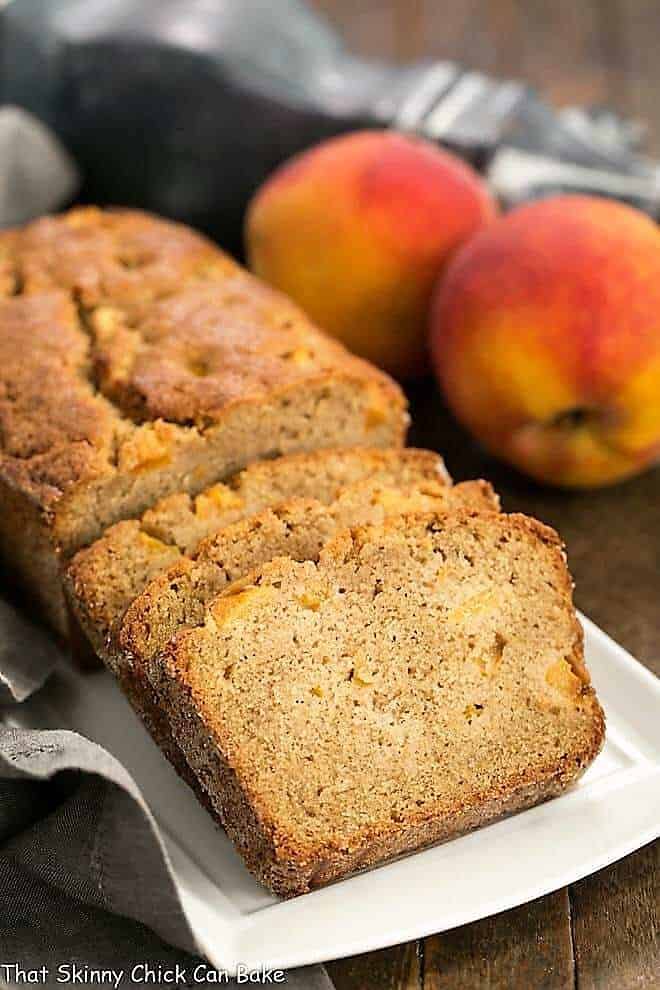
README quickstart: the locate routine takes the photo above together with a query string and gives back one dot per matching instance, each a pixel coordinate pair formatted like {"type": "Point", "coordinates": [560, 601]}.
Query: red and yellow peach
{"type": "Point", "coordinates": [357, 231]}
{"type": "Point", "coordinates": [546, 339]}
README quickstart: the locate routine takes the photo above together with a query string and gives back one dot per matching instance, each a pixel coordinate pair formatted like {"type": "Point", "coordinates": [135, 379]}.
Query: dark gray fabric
{"type": "Point", "coordinates": [27, 655]}
{"type": "Point", "coordinates": [84, 877]}
{"type": "Point", "coordinates": [100, 844]}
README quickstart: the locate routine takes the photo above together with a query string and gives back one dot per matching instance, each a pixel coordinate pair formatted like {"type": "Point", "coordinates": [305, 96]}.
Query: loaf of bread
{"type": "Point", "coordinates": [421, 678]}
{"type": "Point", "coordinates": [346, 656]}
{"type": "Point", "coordinates": [136, 360]}
{"type": "Point", "coordinates": [104, 578]}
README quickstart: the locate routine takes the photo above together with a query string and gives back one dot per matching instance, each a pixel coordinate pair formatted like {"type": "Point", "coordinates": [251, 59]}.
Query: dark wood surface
{"type": "Point", "coordinates": [602, 933]}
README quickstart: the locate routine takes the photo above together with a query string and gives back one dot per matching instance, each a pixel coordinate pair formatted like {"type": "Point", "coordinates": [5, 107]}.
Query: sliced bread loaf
{"type": "Point", "coordinates": [104, 578]}
{"type": "Point", "coordinates": [177, 597]}
{"type": "Point", "coordinates": [136, 359]}
{"type": "Point", "coordinates": [419, 679]}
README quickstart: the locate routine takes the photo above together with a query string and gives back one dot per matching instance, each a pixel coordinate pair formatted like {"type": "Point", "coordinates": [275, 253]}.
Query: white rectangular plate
{"type": "Point", "coordinates": [614, 810]}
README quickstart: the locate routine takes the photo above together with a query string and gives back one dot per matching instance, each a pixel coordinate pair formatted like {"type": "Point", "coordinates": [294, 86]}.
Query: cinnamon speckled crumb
{"type": "Point", "coordinates": [103, 579]}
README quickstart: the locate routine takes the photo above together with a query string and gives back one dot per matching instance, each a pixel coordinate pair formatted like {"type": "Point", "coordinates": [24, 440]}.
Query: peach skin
{"type": "Point", "coordinates": [357, 230]}
{"type": "Point", "coordinates": [545, 337]}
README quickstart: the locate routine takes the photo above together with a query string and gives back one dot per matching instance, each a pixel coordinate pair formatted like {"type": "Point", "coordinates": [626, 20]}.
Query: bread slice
{"type": "Point", "coordinates": [420, 679]}
{"type": "Point", "coordinates": [103, 579]}
{"type": "Point", "coordinates": [136, 359]}
{"type": "Point", "coordinates": [176, 598]}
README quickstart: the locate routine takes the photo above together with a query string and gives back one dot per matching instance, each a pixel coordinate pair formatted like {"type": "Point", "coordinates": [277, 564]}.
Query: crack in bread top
{"type": "Point", "coordinates": [191, 354]}
{"type": "Point", "coordinates": [115, 322]}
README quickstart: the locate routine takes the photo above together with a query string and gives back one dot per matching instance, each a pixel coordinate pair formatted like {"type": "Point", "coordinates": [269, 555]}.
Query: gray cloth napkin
{"type": "Point", "coordinates": [84, 878]}
{"type": "Point", "coordinates": [37, 175]}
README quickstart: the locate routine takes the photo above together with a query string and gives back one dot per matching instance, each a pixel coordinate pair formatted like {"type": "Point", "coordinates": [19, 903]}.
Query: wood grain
{"type": "Point", "coordinates": [616, 924]}
{"type": "Point", "coordinates": [527, 948]}
{"type": "Point", "coordinates": [637, 70]}
{"type": "Point", "coordinates": [397, 968]}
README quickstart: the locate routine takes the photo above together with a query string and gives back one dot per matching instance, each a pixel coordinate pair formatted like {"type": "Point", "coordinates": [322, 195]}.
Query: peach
{"type": "Point", "coordinates": [357, 230]}
{"type": "Point", "coordinates": [546, 339]}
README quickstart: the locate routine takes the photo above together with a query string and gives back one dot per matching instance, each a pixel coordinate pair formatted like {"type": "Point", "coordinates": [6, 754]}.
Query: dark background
{"type": "Point", "coordinates": [601, 933]}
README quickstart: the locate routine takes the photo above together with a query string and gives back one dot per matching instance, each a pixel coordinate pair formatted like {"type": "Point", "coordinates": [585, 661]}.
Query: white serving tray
{"type": "Point", "coordinates": [614, 810]}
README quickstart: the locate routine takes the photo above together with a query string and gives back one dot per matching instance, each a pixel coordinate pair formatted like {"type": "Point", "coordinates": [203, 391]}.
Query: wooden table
{"type": "Point", "coordinates": [602, 932]}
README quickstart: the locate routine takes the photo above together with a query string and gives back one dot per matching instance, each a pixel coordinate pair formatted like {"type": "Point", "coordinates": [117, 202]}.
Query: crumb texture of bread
{"type": "Point", "coordinates": [297, 528]}
{"type": "Point", "coordinates": [422, 677]}
{"type": "Point", "coordinates": [137, 359]}
{"type": "Point", "coordinates": [103, 579]}
{"type": "Point", "coordinates": [176, 597]}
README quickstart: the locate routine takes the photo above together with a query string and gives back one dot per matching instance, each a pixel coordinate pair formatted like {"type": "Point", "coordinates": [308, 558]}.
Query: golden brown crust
{"type": "Point", "coordinates": [53, 426]}
{"type": "Point", "coordinates": [103, 578]}
{"type": "Point", "coordinates": [133, 351]}
{"type": "Point", "coordinates": [130, 319]}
